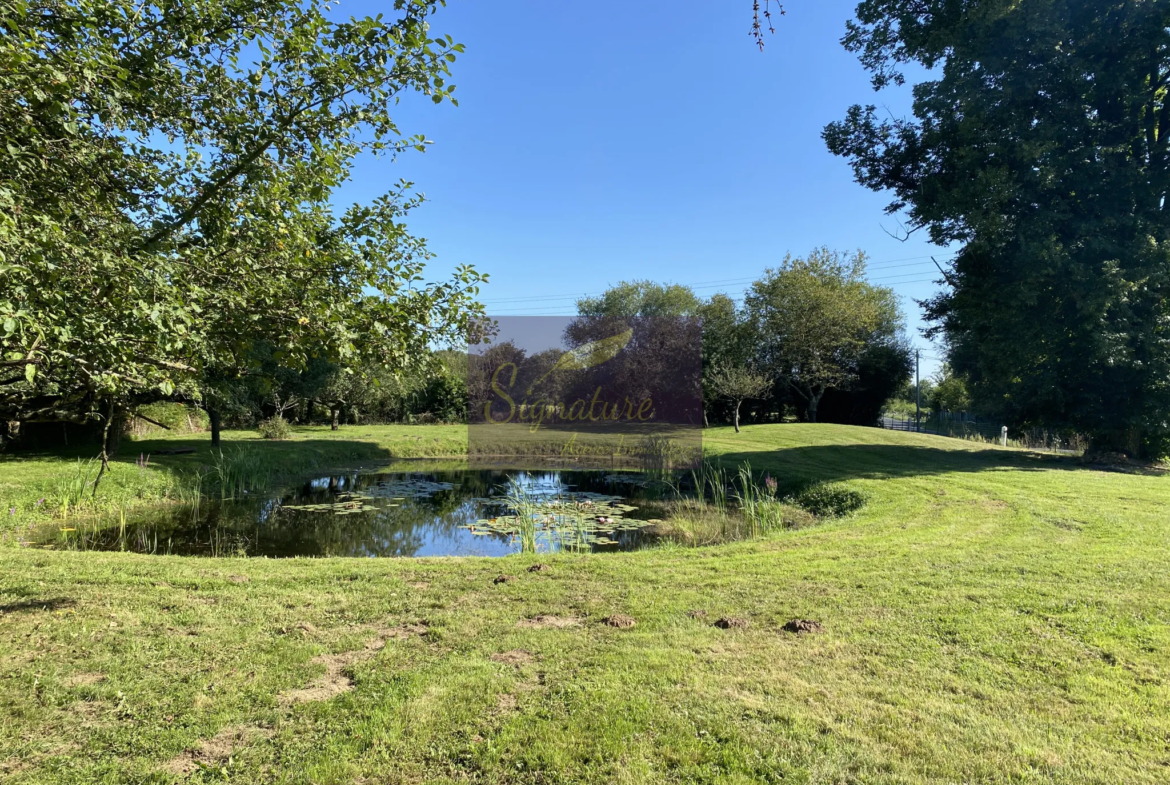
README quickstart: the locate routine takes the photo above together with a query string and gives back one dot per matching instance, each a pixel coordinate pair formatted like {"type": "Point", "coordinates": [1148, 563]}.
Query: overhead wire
{"type": "Point", "coordinates": [879, 266]}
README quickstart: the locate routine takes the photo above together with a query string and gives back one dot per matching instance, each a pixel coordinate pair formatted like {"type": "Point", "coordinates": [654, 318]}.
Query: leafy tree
{"type": "Point", "coordinates": [737, 383]}
{"type": "Point", "coordinates": [725, 336]}
{"type": "Point", "coordinates": [813, 320]}
{"type": "Point", "coordinates": [882, 370]}
{"type": "Point", "coordinates": [642, 298]}
{"type": "Point", "coordinates": [1042, 145]}
{"type": "Point", "coordinates": [444, 398]}
{"type": "Point", "coordinates": [165, 189]}
{"type": "Point", "coordinates": [726, 342]}
{"type": "Point", "coordinates": [949, 392]}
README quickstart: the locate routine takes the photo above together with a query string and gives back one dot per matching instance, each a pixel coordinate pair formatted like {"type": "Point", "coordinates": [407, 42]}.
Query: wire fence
{"type": "Point", "coordinates": [962, 425]}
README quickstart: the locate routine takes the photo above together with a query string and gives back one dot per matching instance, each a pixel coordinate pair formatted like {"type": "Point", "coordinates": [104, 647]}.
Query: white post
{"type": "Point", "coordinates": [1003, 436]}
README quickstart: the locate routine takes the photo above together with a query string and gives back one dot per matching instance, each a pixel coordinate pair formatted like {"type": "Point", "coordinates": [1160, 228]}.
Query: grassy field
{"type": "Point", "coordinates": [991, 616]}
{"type": "Point", "coordinates": [35, 487]}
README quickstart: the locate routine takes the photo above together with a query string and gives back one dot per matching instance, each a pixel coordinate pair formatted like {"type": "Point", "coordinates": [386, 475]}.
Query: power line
{"type": "Point", "coordinates": [571, 300]}
{"type": "Point", "coordinates": [568, 305]}
{"type": "Point", "coordinates": [888, 264]}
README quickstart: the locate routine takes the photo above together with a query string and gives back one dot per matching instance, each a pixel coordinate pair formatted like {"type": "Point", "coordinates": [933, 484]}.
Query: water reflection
{"type": "Point", "coordinates": [383, 514]}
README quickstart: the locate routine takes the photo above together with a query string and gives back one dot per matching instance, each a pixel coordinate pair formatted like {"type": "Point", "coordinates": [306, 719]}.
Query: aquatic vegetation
{"type": "Point", "coordinates": [576, 520]}
{"type": "Point", "coordinates": [527, 516]}
{"type": "Point", "coordinates": [235, 472]}
{"type": "Point", "coordinates": [710, 482]}
{"type": "Point", "coordinates": [761, 511]}
{"type": "Point", "coordinates": [464, 512]}
{"type": "Point", "coordinates": [348, 504]}
{"type": "Point", "coordinates": [661, 455]}
{"type": "Point", "coordinates": [412, 488]}
{"type": "Point", "coordinates": [71, 491]}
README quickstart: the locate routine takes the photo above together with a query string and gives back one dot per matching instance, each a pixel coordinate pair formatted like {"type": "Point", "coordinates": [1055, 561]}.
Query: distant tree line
{"type": "Point", "coordinates": [812, 340]}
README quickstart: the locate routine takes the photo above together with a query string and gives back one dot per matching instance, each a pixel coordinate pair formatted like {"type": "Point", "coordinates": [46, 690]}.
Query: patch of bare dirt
{"type": "Point", "coordinates": [216, 750]}
{"type": "Point", "coordinates": [545, 621]}
{"type": "Point", "coordinates": [403, 631]}
{"type": "Point", "coordinates": [620, 620]}
{"type": "Point", "coordinates": [539, 568]}
{"type": "Point", "coordinates": [332, 683]}
{"type": "Point", "coordinates": [336, 678]}
{"type": "Point", "coordinates": [515, 657]}
{"type": "Point", "coordinates": [420, 585]}
{"type": "Point", "coordinates": [802, 625]}
{"type": "Point", "coordinates": [732, 623]}
{"type": "Point", "coordinates": [13, 765]}
{"type": "Point", "coordinates": [90, 714]}
{"type": "Point", "coordinates": [697, 614]}
{"type": "Point", "coordinates": [84, 679]}
{"type": "Point", "coordinates": [239, 578]}
{"type": "Point", "coordinates": [504, 579]}
{"type": "Point", "coordinates": [506, 702]}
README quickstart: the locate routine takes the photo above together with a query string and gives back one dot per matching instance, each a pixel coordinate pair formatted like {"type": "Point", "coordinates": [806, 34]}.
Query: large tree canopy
{"type": "Point", "coordinates": [1041, 143]}
{"type": "Point", "coordinates": [811, 331]}
{"type": "Point", "coordinates": [813, 320]}
{"type": "Point", "coordinates": [165, 195]}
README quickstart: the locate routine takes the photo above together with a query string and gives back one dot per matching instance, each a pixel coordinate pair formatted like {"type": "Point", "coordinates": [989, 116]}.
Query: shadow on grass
{"type": "Point", "coordinates": [46, 604]}
{"type": "Point", "coordinates": [797, 466]}
{"type": "Point", "coordinates": [281, 459]}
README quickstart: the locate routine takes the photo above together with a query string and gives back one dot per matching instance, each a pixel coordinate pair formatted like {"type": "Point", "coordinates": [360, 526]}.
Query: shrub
{"type": "Point", "coordinates": [829, 501]}
{"type": "Point", "coordinates": [276, 428]}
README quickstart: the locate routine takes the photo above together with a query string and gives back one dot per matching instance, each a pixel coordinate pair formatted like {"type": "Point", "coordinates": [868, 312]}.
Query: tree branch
{"type": "Point", "coordinates": [152, 422]}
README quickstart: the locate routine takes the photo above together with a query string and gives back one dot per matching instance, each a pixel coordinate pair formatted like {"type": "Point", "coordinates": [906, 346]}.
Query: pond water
{"type": "Point", "coordinates": [365, 513]}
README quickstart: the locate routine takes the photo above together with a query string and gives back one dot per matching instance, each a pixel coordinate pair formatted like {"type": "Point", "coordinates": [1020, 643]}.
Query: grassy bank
{"type": "Point", "coordinates": [988, 617]}
{"type": "Point", "coordinates": [34, 487]}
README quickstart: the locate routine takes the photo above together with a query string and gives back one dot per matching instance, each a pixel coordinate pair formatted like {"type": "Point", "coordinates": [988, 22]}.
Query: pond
{"type": "Point", "coordinates": [390, 513]}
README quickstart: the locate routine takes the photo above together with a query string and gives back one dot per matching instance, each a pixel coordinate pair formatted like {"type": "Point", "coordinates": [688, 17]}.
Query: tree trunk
{"type": "Point", "coordinates": [9, 433]}
{"type": "Point", "coordinates": [216, 422]}
{"type": "Point", "coordinates": [705, 423]}
{"type": "Point", "coordinates": [117, 426]}
{"type": "Point", "coordinates": [105, 453]}
{"type": "Point", "coordinates": [737, 403]}
{"type": "Point", "coordinates": [813, 400]}
{"type": "Point", "coordinates": [336, 414]}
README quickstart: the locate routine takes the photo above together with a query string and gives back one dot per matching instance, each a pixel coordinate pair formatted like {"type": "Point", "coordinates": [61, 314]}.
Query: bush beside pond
{"type": "Point", "coordinates": [275, 428]}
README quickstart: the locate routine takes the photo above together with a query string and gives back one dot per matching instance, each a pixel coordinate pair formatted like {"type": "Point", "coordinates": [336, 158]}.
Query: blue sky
{"type": "Point", "coordinates": [618, 140]}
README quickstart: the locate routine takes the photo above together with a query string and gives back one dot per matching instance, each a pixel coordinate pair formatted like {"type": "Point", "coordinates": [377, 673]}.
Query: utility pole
{"type": "Point", "coordinates": [917, 393]}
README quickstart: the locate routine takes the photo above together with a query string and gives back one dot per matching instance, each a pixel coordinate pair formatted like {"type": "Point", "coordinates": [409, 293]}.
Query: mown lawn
{"type": "Point", "coordinates": [990, 616]}
{"type": "Point", "coordinates": [33, 487]}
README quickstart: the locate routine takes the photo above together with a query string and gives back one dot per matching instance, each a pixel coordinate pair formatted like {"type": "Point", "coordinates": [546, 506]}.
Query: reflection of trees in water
{"type": "Point", "coordinates": [262, 527]}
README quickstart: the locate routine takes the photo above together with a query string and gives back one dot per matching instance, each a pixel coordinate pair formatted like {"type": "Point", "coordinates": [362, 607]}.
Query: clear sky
{"type": "Point", "coordinates": [624, 139]}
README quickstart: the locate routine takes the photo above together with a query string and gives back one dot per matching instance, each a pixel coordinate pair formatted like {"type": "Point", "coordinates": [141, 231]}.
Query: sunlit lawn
{"type": "Point", "coordinates": [990, 616]}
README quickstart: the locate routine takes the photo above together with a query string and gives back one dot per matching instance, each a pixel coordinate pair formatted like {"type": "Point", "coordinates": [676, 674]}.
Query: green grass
{"type": "Point", "coordinates": [26, 480]}
{"type": "Point", "coordinates": [990, 616]}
